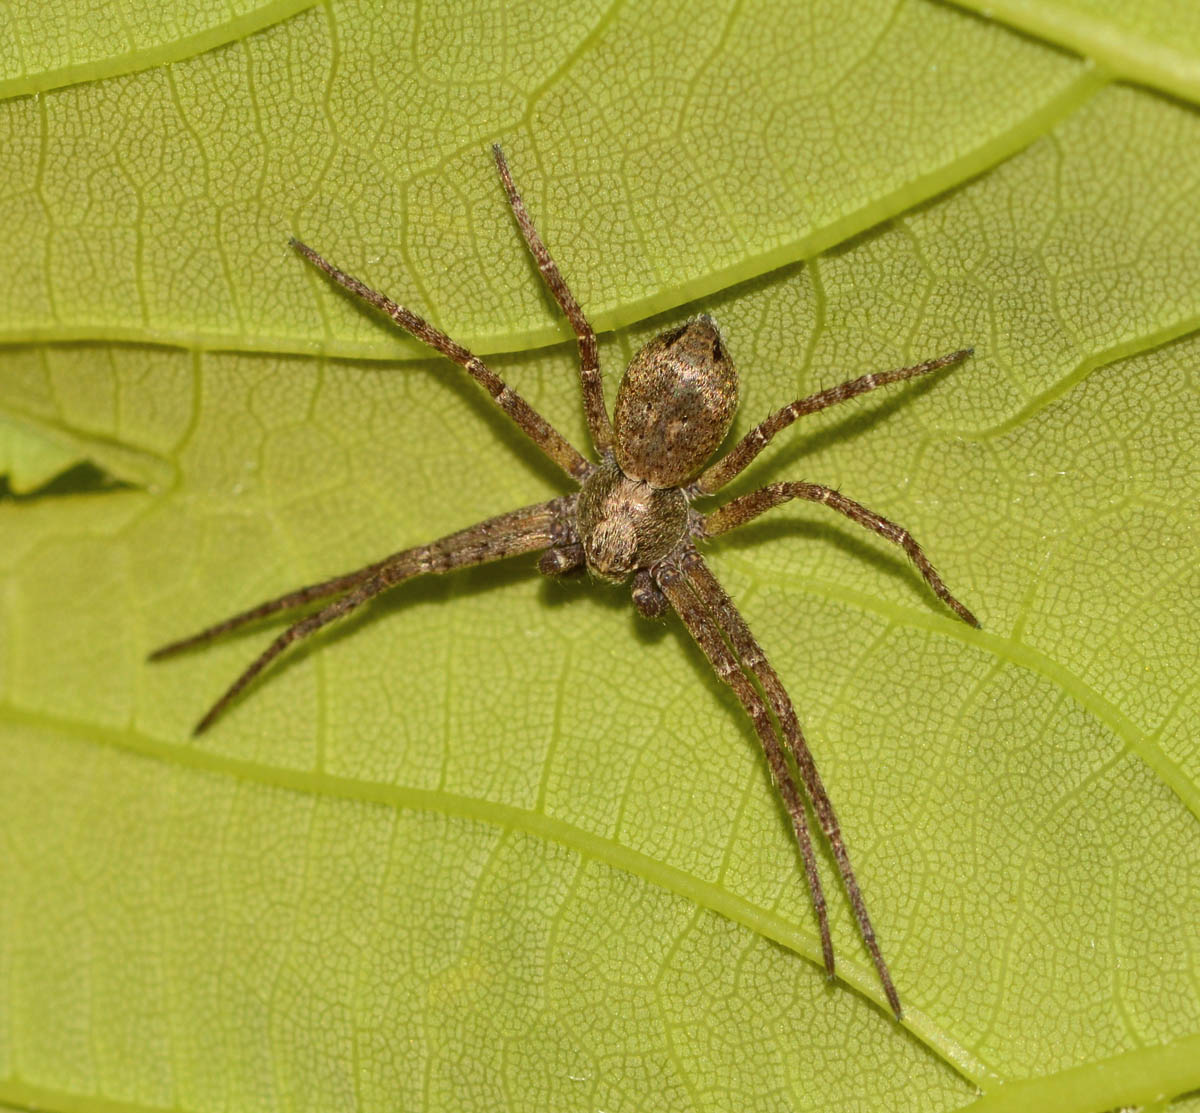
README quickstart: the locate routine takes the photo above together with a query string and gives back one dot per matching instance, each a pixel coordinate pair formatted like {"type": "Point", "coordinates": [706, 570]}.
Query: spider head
{"type": "Point", "coordinates": [611, 548]}
{"type": "Point", "coordinates": [675, 404]}
{"type": "Point", "coordinates": [625, 524]}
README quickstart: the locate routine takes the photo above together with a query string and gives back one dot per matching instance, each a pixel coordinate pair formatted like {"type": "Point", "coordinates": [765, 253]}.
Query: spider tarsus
{"type": "Point", "coordinates": [959, 610]}
{"type": "Point", "coordinates": [827, 948]}
{"type": "Point", "coordinates": [893, 1000]}
{"type": "Point", "coordinates": [217, 709]}
{"type": "Point", "coordinates": [173, 648]}
{"type": "Point", "coordinates": [320, 262]}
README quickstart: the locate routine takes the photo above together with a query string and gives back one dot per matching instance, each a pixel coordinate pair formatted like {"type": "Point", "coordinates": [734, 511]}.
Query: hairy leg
{"type": "Point", "coordinates": [741, 510]}
{"type": "Point", "coordinates": [589, 359]}
{"type": "Point", "coordinates": [737, 458]}
{"type": "Point", "coordinates": [286, 602]}
{"type": "Point", "coordinates": [749, 653]}
{"type": "Point", "coordinates": [530, 422]}
{"type": "Point", "coordinates": [529, 529]}
{"type": "Point", "coordinates": [700, 622]}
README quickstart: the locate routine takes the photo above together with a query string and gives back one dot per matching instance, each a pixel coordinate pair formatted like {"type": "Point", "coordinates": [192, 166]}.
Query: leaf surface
{"type": "Point", "coordinates": [497, 843]}
{"type": "Point", "coordinates": [62, 42]}
{"type": "Point", "coordinates": [1156, 41]}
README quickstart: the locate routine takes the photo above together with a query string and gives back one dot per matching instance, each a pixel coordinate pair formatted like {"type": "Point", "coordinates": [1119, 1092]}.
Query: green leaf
{"type": "Point", "coordinates": [497, 842]}
{"type": "Point", "coordinates": [67, 41]}
{"type": "Point", "coordinates": [1155, 41]}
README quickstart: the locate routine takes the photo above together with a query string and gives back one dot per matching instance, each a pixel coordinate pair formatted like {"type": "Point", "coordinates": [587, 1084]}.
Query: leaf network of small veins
{"type": "Point", "coordinates": [633, 517]}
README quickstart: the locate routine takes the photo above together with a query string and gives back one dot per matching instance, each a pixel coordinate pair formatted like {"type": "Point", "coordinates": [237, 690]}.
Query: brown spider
{"type": "Point", "coordinates": [633, 515]}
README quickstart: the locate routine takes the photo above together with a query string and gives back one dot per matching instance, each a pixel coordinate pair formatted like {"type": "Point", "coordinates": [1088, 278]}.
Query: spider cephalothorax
{"type": "Point", "coordinates": [625, 524]}
{"type": "Point", "coordinates": [633, 515]}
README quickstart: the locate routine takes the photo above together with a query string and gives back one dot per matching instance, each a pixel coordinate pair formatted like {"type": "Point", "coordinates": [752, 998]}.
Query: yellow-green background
{"type": "Point", "coordinates": [497, 843]}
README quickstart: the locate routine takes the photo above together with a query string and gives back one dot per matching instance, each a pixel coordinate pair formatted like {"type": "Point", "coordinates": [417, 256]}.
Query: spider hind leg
{"type": "Point", "coordinates": [701, 623]}
{"type": "Point", "coordinates": [753, 660]}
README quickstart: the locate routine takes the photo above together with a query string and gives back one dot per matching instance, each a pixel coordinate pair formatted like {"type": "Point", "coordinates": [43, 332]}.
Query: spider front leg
{"type": "Point", "coordinates": [741, 510]}
{"type": "Point", "coordinates": [737, 458]}
{"type": "Point", "coordinates": [528, 529]}
{"type": "Point", "coordinates": [751, 657]}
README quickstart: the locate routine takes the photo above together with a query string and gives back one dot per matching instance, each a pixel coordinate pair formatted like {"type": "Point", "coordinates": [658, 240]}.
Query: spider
{"type": "Point", "coordinates": [633, 516]}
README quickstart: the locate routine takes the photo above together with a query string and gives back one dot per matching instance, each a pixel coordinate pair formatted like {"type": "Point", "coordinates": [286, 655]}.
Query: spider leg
{"type": "Point", "coordinates": [716, 475]}
{"type": "Point", "coordinates": [741, 510]}
{"type": "Point", "coordinates": [528, 529]}
{"type": "Point", "coordinates": [296, 632]}
{"type": "Point", "coordinates": [589, 360]}
{"type": "Point", "coordinates": [700, 622]}
{"type": "Point", "coordinates": [754, 661]}
{"type": "Point", "coordinates": [272, 606]}
{"type": "Point", "coordinates": [530, 422]}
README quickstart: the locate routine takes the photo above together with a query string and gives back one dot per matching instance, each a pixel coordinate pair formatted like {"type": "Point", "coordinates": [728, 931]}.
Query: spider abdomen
{"type": "Point", "coordinates": [675, 404]}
